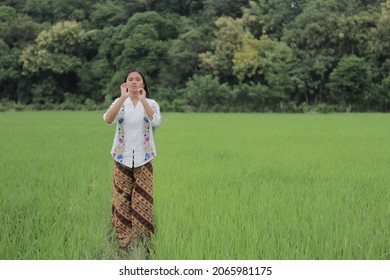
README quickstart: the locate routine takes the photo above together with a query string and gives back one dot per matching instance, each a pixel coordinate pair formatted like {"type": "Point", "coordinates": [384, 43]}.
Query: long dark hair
{"type": "Point", "coordinates": [143, 78]}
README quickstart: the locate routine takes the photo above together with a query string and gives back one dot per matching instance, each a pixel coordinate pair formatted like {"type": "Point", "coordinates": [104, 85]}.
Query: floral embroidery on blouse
{"type": "Point", "coordinates": [120, 148]}
{"type": "Point", "coordinates": [147, 142]}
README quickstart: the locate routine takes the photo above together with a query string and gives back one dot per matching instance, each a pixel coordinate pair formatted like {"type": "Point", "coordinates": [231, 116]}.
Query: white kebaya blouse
{"type": "Point", "coordinates": [133, 142]}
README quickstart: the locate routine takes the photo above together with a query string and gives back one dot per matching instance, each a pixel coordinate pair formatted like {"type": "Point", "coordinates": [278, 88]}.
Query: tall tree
{"type": "Point", "coordinates": [350, 81]}
{"type": "Point", "coordinates": [322, 34]}
{"type": "Point", "coordinates": [379, 47]}
{"type": "Point", "coordinates": [270, 16]}
{"type": "Point", "coordinates": [227, 41]}
{"type": "Point", "coordinates": [17, 29]}
{"type": "Point", "coordinates": [182, 59]}
{"type": "Point", "coordinates": [59, 58]}
{"type": "Point", "coordinates": [266, 61]}
{"type": "Point", "coordinates": [16, 32]}
{"type": "Point", "coordinates": [141, 43]}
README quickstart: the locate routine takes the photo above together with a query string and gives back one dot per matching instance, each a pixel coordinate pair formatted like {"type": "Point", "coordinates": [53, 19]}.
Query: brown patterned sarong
{"type": "Point", "coordinates": [132, 202]}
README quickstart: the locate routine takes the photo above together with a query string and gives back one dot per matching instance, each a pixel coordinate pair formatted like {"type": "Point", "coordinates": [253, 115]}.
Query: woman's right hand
{"type": "Point", "coordinates": [124, 90]}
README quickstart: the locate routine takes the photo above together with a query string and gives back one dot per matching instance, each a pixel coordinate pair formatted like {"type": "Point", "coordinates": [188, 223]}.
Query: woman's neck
{"type": "Point", "coordinates": [134, 96]}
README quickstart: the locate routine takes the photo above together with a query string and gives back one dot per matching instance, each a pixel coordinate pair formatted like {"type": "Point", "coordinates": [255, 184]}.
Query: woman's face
{"type": "Point", "coordinates": [134, 82]}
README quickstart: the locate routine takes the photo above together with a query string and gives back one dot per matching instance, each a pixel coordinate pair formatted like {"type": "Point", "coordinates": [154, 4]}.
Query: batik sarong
{"type": "Point", "coordinates": [132, 203]}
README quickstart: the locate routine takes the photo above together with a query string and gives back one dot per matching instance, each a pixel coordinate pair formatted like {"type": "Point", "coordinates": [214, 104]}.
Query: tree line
{"type": "Point", "coordinates": [197, 55]}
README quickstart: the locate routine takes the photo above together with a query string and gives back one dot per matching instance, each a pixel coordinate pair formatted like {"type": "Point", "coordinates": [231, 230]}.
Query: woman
{"type": "Point", "coordinates": [133, 151]}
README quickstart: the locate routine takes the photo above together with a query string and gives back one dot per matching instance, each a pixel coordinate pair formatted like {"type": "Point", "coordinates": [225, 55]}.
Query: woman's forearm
{"type": "Point", "coordinates": [148, 109]}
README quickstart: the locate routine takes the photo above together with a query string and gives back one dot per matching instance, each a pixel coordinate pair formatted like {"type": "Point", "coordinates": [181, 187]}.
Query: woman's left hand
{"type": "Point", "coordinates": [141, 94]}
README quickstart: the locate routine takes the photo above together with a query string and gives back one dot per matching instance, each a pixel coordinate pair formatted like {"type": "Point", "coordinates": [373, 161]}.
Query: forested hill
{"type": "Point", "coordinates": [198, 55]}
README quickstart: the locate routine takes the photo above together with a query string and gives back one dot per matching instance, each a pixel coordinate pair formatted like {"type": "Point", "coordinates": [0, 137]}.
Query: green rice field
{"type": "Point", "coordinates": [227, 186]}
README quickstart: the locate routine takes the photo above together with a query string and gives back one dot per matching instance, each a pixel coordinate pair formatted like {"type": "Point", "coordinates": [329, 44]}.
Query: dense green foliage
{"type": "Point", "coordinates": [198, 55]}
